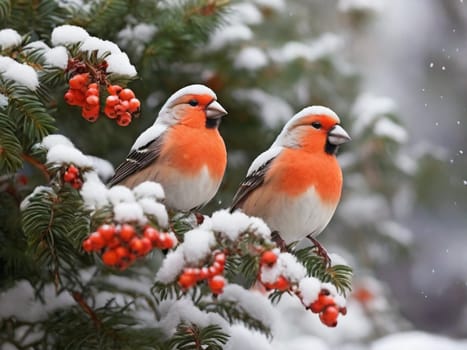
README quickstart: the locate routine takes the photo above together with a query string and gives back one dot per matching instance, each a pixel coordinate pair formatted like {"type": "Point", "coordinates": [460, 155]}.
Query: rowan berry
{"type": "Point", "coordinates": [106, 231]}
{"type": "Point", "coordinates": [329, 316]}
{"type": "Point", "coordinates": [281, 284]}
{"type": "Point", "coordinates": [87, 245]}
{"type": "Point", "coordinates": [97, 241]}
{"type": "Point", "coordinates": [127, 232]}
{"type": "Point", "coordinates": [216, 284]}
{"type": "Point", "coordinates": [110, 258]}
{"type": "Point", "coordinates": [268, 258]}
{"type": "Point", "coordinates": [126, 94]}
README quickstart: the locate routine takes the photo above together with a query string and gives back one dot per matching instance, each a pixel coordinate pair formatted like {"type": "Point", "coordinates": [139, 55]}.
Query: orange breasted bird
{"type": "Point", "coordinates": [183, 150]}
{"type": "Point", "coordinates": [295, 185]}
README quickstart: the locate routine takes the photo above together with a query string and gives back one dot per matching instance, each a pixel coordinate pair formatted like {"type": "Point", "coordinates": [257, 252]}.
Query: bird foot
{"type": "Point", "coordinates": [320, 251]}
{"type": "Point", "coordinates": [276, 238]}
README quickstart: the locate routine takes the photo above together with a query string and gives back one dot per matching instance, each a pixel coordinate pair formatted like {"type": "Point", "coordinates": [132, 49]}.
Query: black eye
{"type": "Point", "coordinates": [316, 125]}
{"type": "Point", "coordinates": [193, 103]}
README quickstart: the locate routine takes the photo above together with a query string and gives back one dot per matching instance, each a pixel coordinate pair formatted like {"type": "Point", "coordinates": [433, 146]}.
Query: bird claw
{"type": "Point", "coordinates": [320, 251]}
{"type": "Point", "coordinates": [276, 238]}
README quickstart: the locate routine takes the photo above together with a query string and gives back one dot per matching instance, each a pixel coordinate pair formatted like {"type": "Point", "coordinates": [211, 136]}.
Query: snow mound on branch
{"type": "Point", "coordinates": [256, 304]}
{"type": "Point", "coordinates": [19, 73]}
{"type": "Point", "coordinates": [57, 57]}
{"type": "Point", "coordinates": [368, 108]}
{"type": "Point", "coordinates": [244, 13]}
{"type": "Point", "coordinates": [242, 338]}
{"type": "Point", "coordinates": [197, 245]}
{"type": "Point", "coordinates": [273, 110]}
{"type": "Point", "coordinates": [149, 189]}
{"type": "Point", "coordinates": [103, 167]}
{"type": "Point", "coordinates": [9, 38]}
{"type": "Point", "coordinates": [389, 129]}
{"type": "Point", "coordinates": [417, 340]}
{"type": "Point", "coordinates": [287, 265]}
{"type": "Point", "coordinates": [68, 35]}
{"type": "Point", "coordinates": [119, 63]}
{"type": "Point", "coordinates": [172, 266]}
{"type": "Point", "coordinates": [63, 154]}
{"type": "Point", "coordinates": [128, 212]}
{"type": "Point", "coordinates": [152, 208]}
{"type": "Point", "coordinates": [26, 201]}
{"type": "Point", "coordinates": [55, 139]}
{"type": "Point", "coordinates": [120, 194]}
{"type": "Point", "coordinates": [309, 288]}
{"type": "Point", "coordinates": [251, 58]}
{"type": "Point", "coordinates": [323, 46]}
{"type": "Point", "coordinates": [174, 312]}
{"type": "Point", "coordinates": [93, 191]}
{"type": "Point", "coordinates": [233, 224]}
{"type": "Point", "coordinates": [228, 35]}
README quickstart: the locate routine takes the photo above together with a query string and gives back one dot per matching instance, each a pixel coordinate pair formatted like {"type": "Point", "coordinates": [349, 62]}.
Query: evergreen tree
{"type": "Point", "coordinates": [192, 287]}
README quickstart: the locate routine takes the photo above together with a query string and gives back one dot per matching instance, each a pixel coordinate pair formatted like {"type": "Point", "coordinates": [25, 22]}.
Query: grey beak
{"type": "Point", "coordinates": [337, 136]}
{"type": "Point", "coordinates": [215, 110]}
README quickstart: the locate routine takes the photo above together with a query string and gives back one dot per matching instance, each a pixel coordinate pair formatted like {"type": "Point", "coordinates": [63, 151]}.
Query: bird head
{"type": "Point", "coordinates": [194, 106]}
{"type": "Point", "coordinates": [314, 128]}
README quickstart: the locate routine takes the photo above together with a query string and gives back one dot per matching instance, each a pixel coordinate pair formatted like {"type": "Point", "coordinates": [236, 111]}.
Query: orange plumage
{"type": "Point", "coordinates": [296, 184]}
{"type": "Point", "coordinates": [183, 150]}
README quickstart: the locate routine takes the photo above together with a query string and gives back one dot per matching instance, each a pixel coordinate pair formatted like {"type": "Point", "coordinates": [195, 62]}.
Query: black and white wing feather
{"type": "Point", "coordinates": [137, 160]}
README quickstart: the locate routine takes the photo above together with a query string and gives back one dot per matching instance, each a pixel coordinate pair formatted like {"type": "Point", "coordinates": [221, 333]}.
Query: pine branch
{"type": "Point", "coordinates": [10, 146]}
{"type": "Point", "coordinates": [192, 337]}
{"type": "Point", "coordinates": [5, 9]}
{"type": "Point", "coordinates": [339, 275]}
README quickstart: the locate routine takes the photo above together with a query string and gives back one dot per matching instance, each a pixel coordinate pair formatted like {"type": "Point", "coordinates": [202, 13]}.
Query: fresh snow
{"type": "Point", "coordinates": [53, 140]}
{"type": "Point", "coordinates": [9, 38]}
{"type": "Point", "coordinates": [119, 63]}
{"type": "Point", "coordinates": [3, 101]}
{"type": "Point", "coordinates": [94, 192]}
{"type": "Point", "coordinates": [251, 58]}
{"type": "Point", "coordinates": [57, 57]}
{"type": "Point", "coordinates": [68, 34]}
{"type": "Point", "coordinates": [309, 288]}
{"type": "Point", "coordinates": [120, 194]}
{"type": "Point", "coordinates": [128, 212]}
{"type": "Point", "coordinates": [172, 266]}
{"type": "Point", "coordinates": [273, 110]}
{"type": "Point", "coordinates": [228, 35]}
{"type": "Point", "coordinates": [21, 74]}
{"type": "Point", "coordinates": [155, 209]}
{"type": "Point", "coordinates": [102, 166]}
{"type": "Point", "coordinates": [64, 154]}
{"type": "Point", "coordinates": [230, 224]}
{"type": "Point", "coordinates": [197, 245]}
{"type": "Point", "coordinates": [149, 189]}
{"type": "Point", "coordinates": [244, 12]}
{"type": "Point", "coordinates": [387, 128]}
{"type": "Point", "coordinates": [242, 338]}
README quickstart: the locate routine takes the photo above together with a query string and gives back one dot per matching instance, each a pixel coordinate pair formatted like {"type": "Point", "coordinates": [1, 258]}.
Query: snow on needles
{"type": "Point", "coordinates": [64, 154]}
{"type": "Point", "coordinates": [118, 61]}
{"type": "Point", "coordinates": [9, 38]}
{"type": "Point", "coordinates": [19, 73]}
{"type": "Point", "coordinates": [287, 265]}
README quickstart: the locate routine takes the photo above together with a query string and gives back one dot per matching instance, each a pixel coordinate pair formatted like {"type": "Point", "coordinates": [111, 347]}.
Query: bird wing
{"type": "Point", "coordinates": [255, 176]}
{"type": "Point", "coordinates": [137, 160]}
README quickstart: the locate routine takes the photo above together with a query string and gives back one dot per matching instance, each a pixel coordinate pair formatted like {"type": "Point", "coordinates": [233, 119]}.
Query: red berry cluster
{"type": "Point", "coordinates": [213, 274]}
{"type": "Point", "coordinates": [72, 176]}
{"type": "Point", "coordinates": [327, 309]}
{"type": "Point", "coordinates": [121, 104]}
{"type": "Point", "coordinates": [120, 245]}
{"type": "Point", "coordinates": [84, 94]}
{"type": "Point", "coordinates": [269, 258]}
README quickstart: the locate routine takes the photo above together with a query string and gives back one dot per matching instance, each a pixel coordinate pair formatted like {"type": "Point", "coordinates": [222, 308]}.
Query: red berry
{"type": "Point", "coordinates": [122, 252]}
{"type": "Point", "coordinates": [203, 273]}
{"type": "Point", "coordinates": [212, 271]}
{"type": "Point", "coordinates": [91, 92]}
{"type": "Point", "coordinates": [93, 86]}
{"type": "Point", "coordinates": [97, 241]}
{"type": "Point", "coordinates": [186, 280]}
{"type": "Point", "coordinates": [137, 246]}
{"type": "Point", "coordinates": [329, 316]}
{"type": "Point", "coordinates": [77, 184]}
{"type": "Point", "coordinates": [70, 98]}
{"type": "Point", "coordinates": [92, 100]}
{"type": "Point", "coordinates": [124, 119]}
{"type": "Point", "coordinates": [68, 176]}
{"type": "Point", "coordinates": [114, 242]}
{"type": "Point", "coordinates": [219, 268]}
{"type": "Point", "coordinates": [106, 231]}
{"type": "Point", "coordinates": [268, 258]}
{"type": "Point", "coordinates": [110, 112]}
{"type": "Point", "coordinates": [114, 89]}
{"type": "Point", "coordinates": [79, 81]}
{"type": "Point", "coordinates": [164, 241]}
{"type": "Point", "coordinates": [147, 245]}
{"type": "Point", "coordinates": [220, 258]}
{"type": "Point", "coordinates": [316, 306]}
{"type": "Point", "coordinates": [326, 300]}
{"type": "Point", "coordinates": [134, 105]}
{"type": "Point", "coordinates": [126, 94]}
{"type": "Point", "coordinates": [72, 169]}
{"type": "Point", "coordinates": [281, 284]}
{"type": "Point", "coordinates": [112, 101]}
{"type": "Point", "coordinates": [152, 234]}
{"type": "Point", "coordinates": [343, 310]}
{"type": "Point", "coordinates": [216, 284]}
{"type": "Point", "coordinates": [110, 258]}
{"type": "Point", "coordinates": [127, 232]}
{"type": "Point", "coordinates": [87, 245]}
